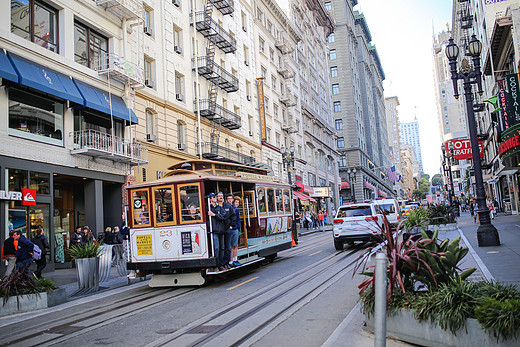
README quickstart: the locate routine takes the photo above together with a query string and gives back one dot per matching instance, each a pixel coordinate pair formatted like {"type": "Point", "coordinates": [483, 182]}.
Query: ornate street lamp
{"type": "Point", "coordinates": [351, 179]}
{"type": "Point", "coordinates": [487, 234]}
{"type": "Point", "coordinates": [288, 161]}
{"type": "Point", "coordinates": [447, 169]}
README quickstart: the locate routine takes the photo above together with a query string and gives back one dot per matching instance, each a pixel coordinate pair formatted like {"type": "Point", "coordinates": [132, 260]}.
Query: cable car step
{"type": "Point", "coordinates": [212, 272]}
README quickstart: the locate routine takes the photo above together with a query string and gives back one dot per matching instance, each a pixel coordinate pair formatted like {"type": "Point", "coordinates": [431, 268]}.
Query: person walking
{"type": "Point", "coordinates": [41, 241]}
{"type": "Point", "coordinates": [9, 253]}
{"type": "Point", "coordinates": [217, 217]}
{"type": "Point", "coordinates": [76, 239]}
{"type": "Point", "coordinates": [23, 252]}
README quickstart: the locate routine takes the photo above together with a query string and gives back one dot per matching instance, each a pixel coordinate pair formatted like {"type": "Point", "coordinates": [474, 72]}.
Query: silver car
{"type": "Point", "coordinates": [356, 222]}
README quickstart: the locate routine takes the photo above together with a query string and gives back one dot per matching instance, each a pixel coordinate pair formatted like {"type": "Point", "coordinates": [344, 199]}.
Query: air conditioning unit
{"type": "Point", "coordinates": [179, 97]}
{"type": "Point", "coordinates": [151, 137]}
{"type": "Point", "coordinates": [250, 133]}
{"type": "Point", "coordinates": [176, 3]}
{"type": "Point", "coordinates": [149, 83]}
{"type": "Point", "coordinates": [249, 98]}
{"type": "Point", "coordinates": [244, 28]}
{"type": "Point", "coordinates": [177, 49]}
{"type": "Point", "coordinates": [148, 31]}
{"type": "Point", "coordinates": [181, 146]}
{"type": "Point", "coordinates": [246, 62]}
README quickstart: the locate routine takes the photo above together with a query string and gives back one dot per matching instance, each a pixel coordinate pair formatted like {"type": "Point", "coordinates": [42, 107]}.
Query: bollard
{"type": "Point", "coordinates": [380, 301]}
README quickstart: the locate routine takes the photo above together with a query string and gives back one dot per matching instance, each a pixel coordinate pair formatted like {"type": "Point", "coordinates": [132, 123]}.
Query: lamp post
{"type": "Point", "coordinates": [487, 234]}
{"type": "Point", "coordinates": [447, 169]}
{"type": "Point", "coordinates": [288, 161]}
{"type": "Point", "coordinates": [351, 179]}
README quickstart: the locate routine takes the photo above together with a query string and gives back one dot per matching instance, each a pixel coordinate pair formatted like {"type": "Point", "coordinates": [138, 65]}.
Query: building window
{"type": "Point", "coordinates": [250, 124]}
{"type": "Point", "coordinates": [269, 27]}
{"type": "Point", "coordinates": [179, 86]}
{"type": "Point", "coordinates": [271, 54]}
{"type": "Point", "coordinates": [36, 117]}
{"type": "Point", "coordinates": [181, 134]}
{"type": "Point", "coordinates": [35, 21]}
{"type": "Point", "coordinates": [331, 38]}
{"type": "Point", "coordinates": [150, 123]}
{"type": "Point", "coordinates": [90, 48]}
{"type": "Point", "coordinates": [273, 82]}
{"type": "Point", "coordinates": [328, 6]}
{"type": "Point", "coordinates": [177, 39]}
{"type": "Point", "coordinates": [263, 73]}
{"type": "Point", "coordinates": [339, 124]}
{"type": "Point", "coordinates": [244, 21]}
{"type": "Point", "coordinates": [246, 55]}
{"type": "Point", "coordinates": [333, 71]}
{"type": "Point", "coordinates": [148, 14]}
{"type": "Point", "coordinates": [149, 72]}
{"type": "Point", "coordinates": [335, 89]}
{"type": "Point", "coordinates": [341, 142]}
{"type": "Point", "coordinates": [261, 44]}
{"type": "Point", "coordinates": [337, 106]}
{"type": "Point", "coordinates": [332, 54]}
{"type": "Point", "coordinates": [259, 15]}
{"type": "Point", "coordinates": [342, 161]}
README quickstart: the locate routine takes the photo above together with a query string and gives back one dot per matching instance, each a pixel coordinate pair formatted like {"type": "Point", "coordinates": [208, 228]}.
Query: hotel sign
{"type": "Point", "coordinates": [462, 149]}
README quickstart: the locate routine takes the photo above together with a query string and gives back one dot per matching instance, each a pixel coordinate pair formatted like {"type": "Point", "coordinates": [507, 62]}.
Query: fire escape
{"type": "Point", "coordinates": [287, 97]}
{"type": "Point", "coordinates": [218, 77]}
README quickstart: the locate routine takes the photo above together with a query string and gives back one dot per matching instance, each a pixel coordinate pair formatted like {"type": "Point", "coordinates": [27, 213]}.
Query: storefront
{"type": "Point", "coordinates": [509, 153]}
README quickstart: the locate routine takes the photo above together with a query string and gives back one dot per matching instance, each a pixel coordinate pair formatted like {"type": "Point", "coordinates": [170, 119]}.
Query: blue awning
{"type": "Point", "coordinates": [44, 79]}
{"type": "Point", "coordinates": [99, 100]}
{"type": "Point", "coordinates": [7, 70]}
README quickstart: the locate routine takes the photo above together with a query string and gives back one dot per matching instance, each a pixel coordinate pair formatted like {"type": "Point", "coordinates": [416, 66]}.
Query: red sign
{"type": "Point", "coordinates": [508, 144]}
{"type": "Point", "coordinates": [28, 197]}
{"type": "Point", "coordinates": [462, 149]}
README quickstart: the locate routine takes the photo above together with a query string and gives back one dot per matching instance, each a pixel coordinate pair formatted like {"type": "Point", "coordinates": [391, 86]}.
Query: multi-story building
{"type": "Point", "coordinates": [358, 105]}
{"type": "Point", "coordinates": [409, 178]}
{"type": "Point", "coordinates": [409, 135]}
{"type": "Point", "coordinates": [67, 102]}
{"type": "Point", "coordinates": [394, 142]}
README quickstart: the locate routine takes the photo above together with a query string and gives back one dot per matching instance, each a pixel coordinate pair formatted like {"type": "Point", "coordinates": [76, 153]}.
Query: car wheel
{"type": "Point", "coordinates": [338, 245]}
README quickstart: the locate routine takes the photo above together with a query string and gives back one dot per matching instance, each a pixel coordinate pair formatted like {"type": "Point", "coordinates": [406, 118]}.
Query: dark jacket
{"type": "Point", "coordinates": [230, 219]}
{"type": "Point", "coordinates": [41, 241]}
{"type": "Point", "coordinates": [8, 249]}
{"type": "Point", "coordinates": [75, 237]}
{"type": "Point", "coordinates": [25, 247]}
{"type": "Point", "coordinates": [237, 217]}
{"type": "Point", "coordinates": [218, 222]}
{"type": "Point", "coordinates": [125, 231]}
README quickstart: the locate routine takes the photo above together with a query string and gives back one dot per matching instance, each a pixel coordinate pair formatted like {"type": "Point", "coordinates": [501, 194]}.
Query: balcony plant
{"type": "Point", "coordinates": [424, 278]}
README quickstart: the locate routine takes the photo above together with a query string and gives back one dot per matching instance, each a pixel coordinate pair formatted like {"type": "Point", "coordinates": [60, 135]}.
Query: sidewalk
{"type": "Point", "coordinates": [492, 263]}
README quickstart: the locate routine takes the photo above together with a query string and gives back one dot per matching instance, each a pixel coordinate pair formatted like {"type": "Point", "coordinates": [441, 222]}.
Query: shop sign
{"type": "Point", "coordinates": [322, 192]}
{"type": "Point", "coordinates": [462, 149]}
{"type": "Point", "coordinates": [514, 98]}
{"type": "Point", "coordinates": [510, 145]}
{"type": "Point", "coordinates": [26, 196]}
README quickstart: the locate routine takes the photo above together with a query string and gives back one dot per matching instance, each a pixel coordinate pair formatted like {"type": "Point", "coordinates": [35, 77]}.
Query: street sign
{"type": "Point", "coordinates": [462, 148]}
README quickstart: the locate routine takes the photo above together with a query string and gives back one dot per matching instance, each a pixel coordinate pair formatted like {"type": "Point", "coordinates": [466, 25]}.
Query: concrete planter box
{"type": "Point", "coordinates": [443, 227]}
{"type": "Point", "coordinates": [23, 303]}
{"type": "Point", "coordinates": [403, 326]}
{"type": "Point", "coordinates": [56, 297]}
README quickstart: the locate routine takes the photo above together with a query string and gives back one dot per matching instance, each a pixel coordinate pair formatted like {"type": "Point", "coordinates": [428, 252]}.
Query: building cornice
{"type": "Point", "coordinates": [322, 16]}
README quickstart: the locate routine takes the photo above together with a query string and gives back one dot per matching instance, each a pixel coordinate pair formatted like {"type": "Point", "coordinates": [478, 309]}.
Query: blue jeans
{"type": "Point", "coordinates": [218, 240]}
{"type": "Point", "coordinates": [24, 265]}
{"type": "Point", "coordinates": [228, 237]}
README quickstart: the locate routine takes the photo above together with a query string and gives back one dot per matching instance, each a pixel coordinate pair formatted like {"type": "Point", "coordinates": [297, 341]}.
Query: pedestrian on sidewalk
{"type": "Point", "coordinates": [9, 253]}
{"type": "Point", "coordinates": [321, 216]}
{"type": "Point", "coordinates": [88, 237]}
{"type": "Point", "coordinates": [23, 252]}
{"type": "Point", "coordinates": [76, 239]}
{"type": "Point", "coordinates": [41, 241]}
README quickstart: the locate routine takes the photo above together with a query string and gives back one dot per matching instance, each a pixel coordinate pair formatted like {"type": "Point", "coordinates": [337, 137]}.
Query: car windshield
{"type": "Point", "coordinates": [387, 208]}
{"type": "Point", "coordinates": [354, 211]}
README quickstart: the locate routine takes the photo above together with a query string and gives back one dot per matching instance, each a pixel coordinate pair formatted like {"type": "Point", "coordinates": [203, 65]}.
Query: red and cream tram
{"type": "Point", "coordinates": [169, 233]}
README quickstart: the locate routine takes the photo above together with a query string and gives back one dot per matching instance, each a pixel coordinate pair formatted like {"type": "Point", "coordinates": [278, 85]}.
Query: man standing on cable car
{"type": "Point", "coordinates": [217, 214]}
{"type": "Point", "coordinates": [229, 223]}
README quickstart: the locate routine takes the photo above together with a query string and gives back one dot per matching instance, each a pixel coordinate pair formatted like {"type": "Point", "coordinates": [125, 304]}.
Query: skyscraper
{"type": "Point", "coordinates": [409, 133]}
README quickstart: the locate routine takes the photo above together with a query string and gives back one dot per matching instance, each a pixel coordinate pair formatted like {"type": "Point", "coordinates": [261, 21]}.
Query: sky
{"type": "Point", "coordinates": [402, 31]}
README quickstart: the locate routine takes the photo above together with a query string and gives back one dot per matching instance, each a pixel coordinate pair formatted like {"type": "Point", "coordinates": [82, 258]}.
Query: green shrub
{"type": "Point", "coordinates": [89, 250]}
{"type": "Point", "coordinates": [416, 218]}
{"type": "Point", "coordinates": [502, 318]}
{"type": "Point", "coordinates": [44, 285]}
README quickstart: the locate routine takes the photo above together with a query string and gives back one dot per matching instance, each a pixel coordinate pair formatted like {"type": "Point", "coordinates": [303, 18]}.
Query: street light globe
{"type": "Point", "coordinates": [282, 150]}
{"type": "Point", "coordinates": [452, 50]}
{"type": "Point", "coordinates": [451, 146]}
{"type": "Point", "coordinates": [354, 170]}
{"type": "Point", "coordinates": [443, 148]}
{"type": "Point", "coordinates": [474, 46]}
{"type": "Point", "coordinates": [291, 149]}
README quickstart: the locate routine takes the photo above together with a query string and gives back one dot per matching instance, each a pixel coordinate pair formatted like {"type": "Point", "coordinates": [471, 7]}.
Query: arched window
{"type": "Point", "coordinates": [239, 148]}
{"type": "Point", "coordinates": [226, 143]}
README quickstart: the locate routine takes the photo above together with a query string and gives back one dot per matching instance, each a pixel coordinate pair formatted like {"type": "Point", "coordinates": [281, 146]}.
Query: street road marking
{"type": "Point", "coordinates": [238, 285]}
{"type": "Point", "coordinates": [493, 252]}
{"type": "Point", "coordinates": [314, 253]}
{"type": "Point", "coordinates": [517, 225]}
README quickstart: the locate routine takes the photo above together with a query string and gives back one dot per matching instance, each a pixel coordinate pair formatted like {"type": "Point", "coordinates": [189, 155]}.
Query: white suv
{"type": "Point", "coordinates": [390, 208]}
{"type": "Point", "coordinates": [356, 222]}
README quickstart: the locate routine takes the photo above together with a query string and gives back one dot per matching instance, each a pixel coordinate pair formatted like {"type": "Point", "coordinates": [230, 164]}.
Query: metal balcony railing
{"type": "Point", "coordinates": [99, 144]}
{"type": "Point", "coordinates": [208, 27]}
{"type": "Point", "coordinates": [225, 6]}
{"type": "Point", "coordinates": [215, 73]}
{"type": "Point", "coordinates": [213, 151]}
{"type": "Point", "coordinates": [128, 9]}
{"type": "Point", "coordinates": [218, 114]}
{"type": "Point", "coordinates": [119, 69]}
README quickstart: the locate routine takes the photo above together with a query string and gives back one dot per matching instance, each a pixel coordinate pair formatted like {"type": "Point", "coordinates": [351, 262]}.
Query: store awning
{"type": "Point", "coordinates": [345, 185]}
{"type": "Point", "coordinates": [99, 100]}
{"type": "Point", "coordinates": [7, 70]}
{"type": "Point", "coordinates": [368, 185]}
{"type": "Point", "coordinates": [46, 80]}
{"type": "Point", "coordinates": [301, 196]}
{"type": "Point", "coordinates": [381, 193]}
{"type": "Point", "coordinates": [299, 185]}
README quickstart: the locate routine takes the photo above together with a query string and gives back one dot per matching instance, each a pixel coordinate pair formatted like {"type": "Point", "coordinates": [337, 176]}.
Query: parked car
{"type": "Point", "coordinates": [356, 222]}
{"type": "Point", "coordinates": [408, 208]}
{"type": "Point", "coordinates": [390, 208]}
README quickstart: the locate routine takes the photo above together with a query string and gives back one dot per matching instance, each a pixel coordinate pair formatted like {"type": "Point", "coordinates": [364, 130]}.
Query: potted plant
{"type": "Point", "coordinates": [86, 258]}
{"type": "Point", "coordinates": [430, 300]}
